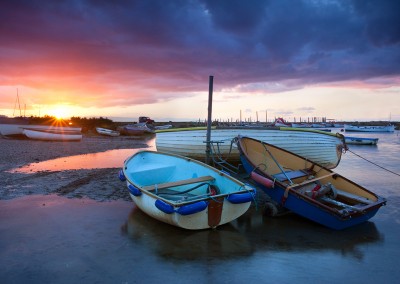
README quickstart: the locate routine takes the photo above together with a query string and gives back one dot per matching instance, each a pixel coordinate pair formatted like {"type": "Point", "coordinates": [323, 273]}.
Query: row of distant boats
{"type": "Point", "coordinates": [146, 126]}
{"type": "Point", "coordinates": [20, 127]}
{"type": "Point", "coordinates": [57, 133]}
{"type": "Point", "coordinates": [280, 122]}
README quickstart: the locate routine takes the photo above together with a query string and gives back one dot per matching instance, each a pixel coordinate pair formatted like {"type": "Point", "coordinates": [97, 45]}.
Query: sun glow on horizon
{"type": "Point", "coordinates": [61, 111]}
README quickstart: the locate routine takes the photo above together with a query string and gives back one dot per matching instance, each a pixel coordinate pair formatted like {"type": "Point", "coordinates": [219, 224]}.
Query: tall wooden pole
{"type": "Point", "coordinates": [209, 121]}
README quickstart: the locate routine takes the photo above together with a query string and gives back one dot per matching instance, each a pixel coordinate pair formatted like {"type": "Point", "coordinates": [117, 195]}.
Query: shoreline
{"type": "Point", "coordinates": [98, 184]}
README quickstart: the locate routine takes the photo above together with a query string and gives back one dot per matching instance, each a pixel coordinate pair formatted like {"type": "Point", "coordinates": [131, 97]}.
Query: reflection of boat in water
{"type": "Point", "coordinates": [176, 244]}
{"type": "Point", "coordinates": [253, 231]}
{"type": "Point", "coordinates": [291, 232]}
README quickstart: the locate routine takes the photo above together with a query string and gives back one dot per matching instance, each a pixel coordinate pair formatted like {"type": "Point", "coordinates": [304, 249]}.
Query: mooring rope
{"type": "Point", "coordinates": [374, 163]}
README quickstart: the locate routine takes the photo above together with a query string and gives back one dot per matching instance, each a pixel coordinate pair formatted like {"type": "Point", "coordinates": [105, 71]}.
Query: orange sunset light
{"type": "Point", "coordinates": [60, 111]}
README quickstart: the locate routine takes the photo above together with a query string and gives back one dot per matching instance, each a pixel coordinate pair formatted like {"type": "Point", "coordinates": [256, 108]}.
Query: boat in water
{"type": "Point", "coordinates": [52, 135]}
{"type": "Point", "coordinates": [359, 128]}
{"type": "Point", "coordinates": [301, 125]}
{"type": "Point", "coordinates": [184, 192]}
{"type": "Point", "coordinates": [322, 147]}
{"type": "Point", "coordinates": [361, 140]}
{"type": "Point", "coordinates": [107, 132]}
{"type": "Point", "coordinates": [307, 188]}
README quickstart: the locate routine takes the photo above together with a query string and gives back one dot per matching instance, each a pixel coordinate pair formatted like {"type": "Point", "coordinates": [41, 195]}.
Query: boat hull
{"type": "Point", "coordinates": [52, 135]}
{"type": "Point", "coordinates": [107, 132]}
{"type": "Point", "coordinates": [135, 129]}
{"type": "Point", "coordinates": [361, 140]}
{"type": "Point", "coordinates": [388, 128]}
{"type": "Point", "coordinates": [149, 173]}
{"type": "Point", "coordinates": [18, 129]}
{"type": "Point", "coordinates": [352, 204]}
{"type": "Point", "coordinates": [323, 148]}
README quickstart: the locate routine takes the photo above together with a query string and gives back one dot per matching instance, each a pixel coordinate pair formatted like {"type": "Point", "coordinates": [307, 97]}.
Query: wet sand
{"type": "Point", "coordinates": [98, 184]}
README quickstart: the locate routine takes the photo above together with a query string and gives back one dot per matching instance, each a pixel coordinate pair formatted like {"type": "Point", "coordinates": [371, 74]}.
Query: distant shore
{"type": "Point", "coordinates": [98, 184]}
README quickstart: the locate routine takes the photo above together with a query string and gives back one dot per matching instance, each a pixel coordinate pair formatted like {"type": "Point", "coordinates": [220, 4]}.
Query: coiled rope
{"type": "Point", "coordinates": [348, 150]}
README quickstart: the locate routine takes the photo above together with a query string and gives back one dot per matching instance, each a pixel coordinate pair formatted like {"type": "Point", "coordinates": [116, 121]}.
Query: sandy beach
{"type": "Point", "coordinates": [98, 184]}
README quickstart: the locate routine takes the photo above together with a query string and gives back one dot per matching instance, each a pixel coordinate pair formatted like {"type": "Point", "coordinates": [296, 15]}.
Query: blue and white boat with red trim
{"type": "Point", "coordinates": [307, 188]}
{"type": "Point", "coordinates": [184, 192]}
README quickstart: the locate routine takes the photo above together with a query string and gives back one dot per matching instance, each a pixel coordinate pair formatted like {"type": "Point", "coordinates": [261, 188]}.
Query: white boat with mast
{"type": "Point", "coordinates": [10, 126]}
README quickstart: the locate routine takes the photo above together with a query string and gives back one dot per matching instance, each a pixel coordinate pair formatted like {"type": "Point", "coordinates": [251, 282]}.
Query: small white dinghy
{"type": "Point", "coordinates": [107, 132]}
{"type": "Point", "coordinates": [52, 135]}
{"type": "Point", "coordinates": [184, 192]}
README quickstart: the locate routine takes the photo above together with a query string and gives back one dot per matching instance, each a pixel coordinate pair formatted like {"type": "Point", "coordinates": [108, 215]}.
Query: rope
{"type": "Point", "coordinates": [374, 163]}
{"type": "Point", "coordinates": [188, 190]}
{"type": "Point", "coordinates": [253, 193]}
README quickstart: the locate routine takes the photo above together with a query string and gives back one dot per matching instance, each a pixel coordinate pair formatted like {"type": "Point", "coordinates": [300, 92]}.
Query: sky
{"type": "Point", "coordinates": [295, 59]}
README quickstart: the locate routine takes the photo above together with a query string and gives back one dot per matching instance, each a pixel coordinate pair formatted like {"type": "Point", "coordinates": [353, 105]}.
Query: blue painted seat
{"type": "Point", "coordinates": [290, 174]}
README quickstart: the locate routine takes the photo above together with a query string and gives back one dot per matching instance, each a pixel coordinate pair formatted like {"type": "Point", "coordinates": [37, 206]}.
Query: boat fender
{"type": "Point", "coordinates": [121, 175]}
{"type": "Point", "coordinates": [192, 208]}
{"type": "Point", "coordinates": [238, 198]}
{"type": "Point", "coordinates": [262, 180]}
{"type": "Point", "coordinates": [134, 190]}
{"type": "Point", "coordinates": [164, 207]}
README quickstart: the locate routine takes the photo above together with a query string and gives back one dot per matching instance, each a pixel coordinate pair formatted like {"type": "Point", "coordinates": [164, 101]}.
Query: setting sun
{"type": "Point", "coordinates": [60, 112]}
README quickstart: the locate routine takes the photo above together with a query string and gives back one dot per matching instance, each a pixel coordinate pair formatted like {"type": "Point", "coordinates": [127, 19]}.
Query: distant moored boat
{"type": "Point", "coordinates": [361, 140]}
{"type": "Point", "coordinates": [107, 132]}
{"type": "Point", "coordinates": [387, 128]}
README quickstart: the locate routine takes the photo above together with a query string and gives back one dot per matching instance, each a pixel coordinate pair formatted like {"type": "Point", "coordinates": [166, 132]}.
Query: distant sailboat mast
{"type": "Point", "coordinates": [19, 105]}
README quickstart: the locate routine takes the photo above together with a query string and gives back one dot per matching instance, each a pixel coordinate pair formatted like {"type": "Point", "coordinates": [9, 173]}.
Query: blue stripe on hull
{"type": "Point", "coordinates": [308, 210]}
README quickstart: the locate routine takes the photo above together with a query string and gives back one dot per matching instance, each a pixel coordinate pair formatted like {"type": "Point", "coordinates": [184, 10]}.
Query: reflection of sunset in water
{"type": "Point", "coordinates": [108, 159]}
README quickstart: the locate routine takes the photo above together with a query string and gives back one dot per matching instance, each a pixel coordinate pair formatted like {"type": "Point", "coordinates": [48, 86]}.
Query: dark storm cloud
{"type": "Point", "coordinates": [175, 45]}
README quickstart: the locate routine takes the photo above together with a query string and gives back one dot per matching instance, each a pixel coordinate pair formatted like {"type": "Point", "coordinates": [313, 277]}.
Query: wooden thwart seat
{"type": "Point", "coordinates": [178, 183]}
{"type": "Point", "coordinates": [291, 175]}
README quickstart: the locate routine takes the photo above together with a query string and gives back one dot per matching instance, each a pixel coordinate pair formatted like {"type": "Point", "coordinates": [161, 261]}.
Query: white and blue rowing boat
{"type": "Point", "coordinates": [184, 192]}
